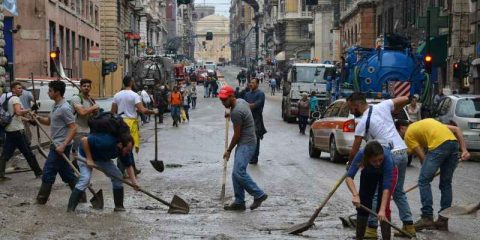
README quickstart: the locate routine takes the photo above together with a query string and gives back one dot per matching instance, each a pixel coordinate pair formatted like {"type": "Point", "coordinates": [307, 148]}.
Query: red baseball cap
{"type": "Point", "coordinates": [225, 92]}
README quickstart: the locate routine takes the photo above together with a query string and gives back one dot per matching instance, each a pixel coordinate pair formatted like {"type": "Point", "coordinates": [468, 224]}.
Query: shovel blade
{"type": "Point", "coordinates": [97, 200]}
{"type": "Point", "coordinates": [459, 210]}
{"type": "Point", "coordinates": [299, 228]}
{"type": "Point", "coordinates": [178, 206]}
{"type": "Point", "coordinates": [158, 165]}
{"type": "Point", "coordinates": [345, 222]}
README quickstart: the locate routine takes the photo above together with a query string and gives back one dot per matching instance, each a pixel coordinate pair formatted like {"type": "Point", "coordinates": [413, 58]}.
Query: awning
{"type": "Point", "coordinates": [476, 61]}
{"type": "Point", "coordinates": [280, 56]}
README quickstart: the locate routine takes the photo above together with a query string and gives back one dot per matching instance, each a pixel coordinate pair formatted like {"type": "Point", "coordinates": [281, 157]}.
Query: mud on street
{"type": "Point", "coordinates": [192, 153]}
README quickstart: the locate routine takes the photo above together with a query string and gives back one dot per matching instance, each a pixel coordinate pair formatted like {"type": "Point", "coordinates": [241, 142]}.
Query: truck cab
{"type": "Point", "coordinates": [305, 77]}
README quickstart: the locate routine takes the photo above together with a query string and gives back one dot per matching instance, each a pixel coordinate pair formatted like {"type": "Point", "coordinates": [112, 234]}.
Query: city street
{"type": "Point", "coordinates": [193, 153]}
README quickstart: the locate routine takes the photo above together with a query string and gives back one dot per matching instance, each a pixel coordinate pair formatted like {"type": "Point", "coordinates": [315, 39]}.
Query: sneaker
{"type": "Point", "coordinates": [235, 207]}
{"type": "Point", "coordinates": [409, 228]}
{"type": "Point", "coordinates": [371, 233]}
{"type": "Point", "coordinates": [425, 223]}
{"type": "Point", "coordinates": [441, 223]}
{"type": "Point", "coordinates": [257, 202]}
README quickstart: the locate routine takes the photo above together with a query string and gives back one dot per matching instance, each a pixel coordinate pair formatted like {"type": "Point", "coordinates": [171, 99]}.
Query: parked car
{"type": "Point", "coordinates": [462, 111]}
{"type": "Point", "coordinates": [45, 104]}
{"type": "Point", "coordinates": [334, 132]}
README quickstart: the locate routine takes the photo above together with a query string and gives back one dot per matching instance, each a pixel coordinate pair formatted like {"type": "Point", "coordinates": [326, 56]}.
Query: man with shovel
{"type": "Point", "coordinates": [99, 149]}
{"type": "Point", "coordinates": [376, 123]}
{"type": "Point", "coordinates": [63, 130]}
{"type": "Point", "coordinates": [442, 142]}
{"type": "Point", "coordinates": [244, 139]}
{"type": "Point", "coordinates": [127, 103]}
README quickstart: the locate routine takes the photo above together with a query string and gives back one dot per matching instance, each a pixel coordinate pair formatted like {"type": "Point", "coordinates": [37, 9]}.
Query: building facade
{"type": "Point", "coordinates": [217, 48]}
{"type": "Point", "coordinates": [41, 26]}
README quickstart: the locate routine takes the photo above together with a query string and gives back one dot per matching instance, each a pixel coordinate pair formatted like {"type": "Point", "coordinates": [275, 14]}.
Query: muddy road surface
{"type": "Point", "coordinates": [192, 153]}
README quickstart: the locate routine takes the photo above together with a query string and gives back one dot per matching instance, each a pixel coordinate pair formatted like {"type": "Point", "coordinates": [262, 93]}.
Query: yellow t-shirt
{"type": "Point", "coordinates": [427, 133]}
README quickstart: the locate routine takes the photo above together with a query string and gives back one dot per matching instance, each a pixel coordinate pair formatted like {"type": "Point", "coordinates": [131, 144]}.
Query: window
{"type": "Point", "coordinates": [68, 50]}
{"type": "Point", "coordinates": [389, 27]}
{"type": "Point", "coordinates": [344, 111]}
{"type": "Point", "coordinates": [119, 13]}
{"type": "Point", "coordinates": [96, 16]}
{"type": "Point", "coordinates": [303, 31]}
{"type": "Point", "coordinates": [74, 62]}
{"type": "Point", "coordinates": [52, 34]}
{"type": "Point", "coordinates": [468, 108]}
{"type": "Point", "coordinates": [335, 108]}
{"type": "Point", "coordinates": [91, 17]}
{"type": "Point", "coordinates": [61, 43]}
{"type": "Point", "coordinates": [79, 7]}
{"type": "Point", "coordinates": [379, 25]}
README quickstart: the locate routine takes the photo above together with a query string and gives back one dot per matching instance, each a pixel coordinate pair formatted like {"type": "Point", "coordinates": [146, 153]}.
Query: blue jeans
{"type": "Point", "coordinates": [175, 111]}
{"type": "Point", "coordinates": [207, 91]}
{"type": "Point", "coordinates": [54, 164]}
{"type": "Point", "coordinates": [257, 152]}
{"type": "Point", "coordinates": [399, 195]}
{"type": "Point", "coordinates": [445, 158]}
{"type": "Point", "coordinates": [86, 174]}
{"type": "Point", "coordinates": [240, 178]}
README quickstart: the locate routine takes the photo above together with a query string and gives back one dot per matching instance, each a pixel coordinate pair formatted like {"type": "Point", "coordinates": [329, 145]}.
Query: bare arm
{"type": "Point", "coordinates": [355, 147]}
{"type": "Point", "coordinates": [143, 109]}
{"type": "Point", "coordinates": [43, 120]}
{"type": "Point", "coordinates": [85, 111]}
{"type": "Point", "coordinates": [355, 196]}
{"type": "Point", "coordinates": [114, 108]}
{"type": "Point", "coordinates": [383, 206]}
{"type": "Point", "coordinates": [235, 139]}
{"type": "Point", "coordinates": [18, 110]}
{"type": "Point", "coordinates": [399, 103]}
{"type": "Point", "coordinates": [420, 153]}
{"type": "Point", "coordinates": [459, 135]}
{"type": "Point", "coordinates": [87, 151]}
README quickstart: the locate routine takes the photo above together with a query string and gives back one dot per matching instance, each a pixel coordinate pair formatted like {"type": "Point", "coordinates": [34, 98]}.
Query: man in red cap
{"type": "Point", "coordinates": [246, 141]}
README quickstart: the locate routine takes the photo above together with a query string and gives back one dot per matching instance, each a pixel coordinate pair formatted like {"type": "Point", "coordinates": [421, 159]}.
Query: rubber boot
{"type": "Point", "coordinates": [409, 228]}
{"type": "Point", "coordinates": [118, 200]}
{"type": "Point", "coordinates": [44, 193]}
{"type": "Point", "coordinates": [386, 231]}
{"type": "Point", "coordinates": [426, 222]}
{"type": "Point", "coordinates": [3, 165]}
{"type": "Point", "coordinates": [371, 233]}
{"type": "Point", "coordinates": [74, 199]}
{"type": "Point", "coordinates": [442, 223]}
{"type": "Point", "coordinates": [361, 227]}
{"type": "Point", "coordinates": [83, 198]}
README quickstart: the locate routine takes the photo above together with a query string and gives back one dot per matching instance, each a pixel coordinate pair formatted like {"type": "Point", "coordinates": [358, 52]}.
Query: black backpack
{"type": "Point", "coordinates": [5, 116]}
{"type": "Point", "coordinates": [108, 122]}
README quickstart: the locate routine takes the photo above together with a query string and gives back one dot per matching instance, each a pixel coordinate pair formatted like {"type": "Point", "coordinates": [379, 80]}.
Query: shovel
{"type": "Point", "coordinates": [177, 205]}
{"type": "Point", "coordinates": [388, 222]}
{"type": "Point", "coordinates": [460, 210]}
{"type": "Point", "coordinates": [158, 165]}
{"type": "Point", "coordinates": [224, 180]}
{"type": "Point", "coordinates": [40, 149]}
{"type": "Point", "coordinates": [97, 199]}
{"type": "Point", "coordinates": [299, 228]}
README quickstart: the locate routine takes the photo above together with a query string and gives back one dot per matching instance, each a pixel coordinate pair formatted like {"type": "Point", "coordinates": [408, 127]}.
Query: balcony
{"type": "Point", "coordinates": [352, 7]}
{"type": "Point", "coordinates": [301, 15]}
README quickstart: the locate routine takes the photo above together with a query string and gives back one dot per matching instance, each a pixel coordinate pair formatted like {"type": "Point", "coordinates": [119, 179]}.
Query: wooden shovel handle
{"type": "Point", "coordinates": [320, 207]}
{"type": "Point", "coordinates": [388, 222]}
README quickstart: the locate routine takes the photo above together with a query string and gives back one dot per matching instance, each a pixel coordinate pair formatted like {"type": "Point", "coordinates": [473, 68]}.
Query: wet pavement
{"type": "Point", "coordinates": [192, 153]}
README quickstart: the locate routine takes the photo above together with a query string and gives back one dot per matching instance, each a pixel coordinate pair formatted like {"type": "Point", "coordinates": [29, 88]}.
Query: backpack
{"type": "Point", "coordinates": [5, 116]}
{"type": "Point", "coordinates": [108, 122]}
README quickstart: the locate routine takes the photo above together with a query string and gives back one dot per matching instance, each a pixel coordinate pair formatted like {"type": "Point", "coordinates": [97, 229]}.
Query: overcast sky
{"type": "Point", "coordinates": [221, 6]}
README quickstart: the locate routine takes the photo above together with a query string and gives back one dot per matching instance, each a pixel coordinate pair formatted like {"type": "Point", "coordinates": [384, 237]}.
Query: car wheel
{"type": "Point", "coordinates": [334, 154]}
{"type": "Point", "coordinates": [312, 151]}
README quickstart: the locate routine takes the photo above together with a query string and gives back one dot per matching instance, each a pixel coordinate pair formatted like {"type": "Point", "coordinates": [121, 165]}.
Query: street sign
{"type": "Point", "coordinates": [94, 55]}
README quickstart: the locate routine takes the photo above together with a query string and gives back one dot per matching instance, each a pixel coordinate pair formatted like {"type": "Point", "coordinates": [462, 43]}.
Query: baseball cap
{"type": "Point", "coordinates": [225, 92]}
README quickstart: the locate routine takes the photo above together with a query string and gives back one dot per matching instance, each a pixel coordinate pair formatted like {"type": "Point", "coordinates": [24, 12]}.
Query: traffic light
{"type": "Point", "coordinates": [428, 63]}
{"type": "Point", "coordinates": [209, 36]}
{"type": "Point", "coordinates": [180, 2]}
{"type": "Point", "coordinates": [108, 67]}
{"type": "Point", "coordinates": [457, 72]}
{"type": "Point", "coordinates": [54, 60]}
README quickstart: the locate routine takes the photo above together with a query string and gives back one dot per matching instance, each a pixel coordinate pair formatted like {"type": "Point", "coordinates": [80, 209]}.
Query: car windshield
{"type": "Point", "coordinates": [468, 108]}
{"type": "Point", "coordinates": [307, 74]}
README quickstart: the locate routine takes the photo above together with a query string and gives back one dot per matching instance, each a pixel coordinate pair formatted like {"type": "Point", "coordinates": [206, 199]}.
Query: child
{"type": "Point", "coordinates": [377, 168]}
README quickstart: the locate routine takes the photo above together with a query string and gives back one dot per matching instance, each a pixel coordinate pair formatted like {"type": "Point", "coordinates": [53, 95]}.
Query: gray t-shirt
{"type": "Point", "coordinates": [26, 98]}
{"type": "Point", "coordinates": [242, 115]}
{"type": "Point", "coordinates": [82, 121]}
{"type": "Point", "coordinates": [60, 116]}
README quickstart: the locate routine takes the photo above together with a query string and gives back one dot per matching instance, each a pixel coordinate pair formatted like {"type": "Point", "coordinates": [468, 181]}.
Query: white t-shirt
{"type": "Point", "coordinates": [145, 96]}
{"type": "Point", "coordinates": [382, 128]}
{"type": "Point", "coordinates": [126, 101]}
{"type": "Point", "coordinates": [16, 123]}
